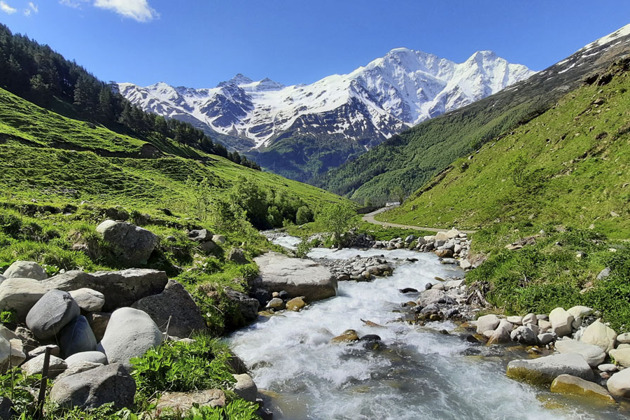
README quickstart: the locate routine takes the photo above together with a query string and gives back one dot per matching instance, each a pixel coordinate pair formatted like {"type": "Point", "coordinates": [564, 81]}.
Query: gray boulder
{"type": "Point", "coordinates": [619, 384]}
{"type": "Point", "coordinates": [593, 355]}
{"type": "Point", "coordinates": [5, 354]}
{"type": "Point", "coordinates": [89, 300]}
{"type": "Point", "coordinates": [26, 270]}
{"type": "Point", "coordinates": [19, 295]}
{"type": "Point", "coordinates": [299, 277]}
{"type": "Point", "coordinates": [51, 313]}
{"type": "Point", "coordinates": [130, 333]}
{"type": "Point", "coordinates": [245, 387]}
{"type": "Point", "coordinates": [502, 333]}
{"type": "Point", "coordinates": [176, 304]}
{"type": "Point", "coordinates": [131, 244]}
{"type": "Point", "coordinates": [248, 306]}
{"type": "Point", "coordinates": [120, 288]}
{"type": "Point", "coordinates": [237, 255]}
{"type": "Point", "coordinates": [76, 337]}
{"type": "Point", "coordinates": [95, 387]}
{"type": "Point", "coordinates": [525, 334]}
{"type": "Point", "coordinates": [487, 323]}
{"type": "Point", "coordinates": [431, 296]}
{"type": "Point", "coordinates": [86, 356]}
{"type": "Point", "coordinates": [561, 322]}
{"type": "Point", "coordinates": [545, 369]}
{"type": "Point", "coordinates": [56, 366]}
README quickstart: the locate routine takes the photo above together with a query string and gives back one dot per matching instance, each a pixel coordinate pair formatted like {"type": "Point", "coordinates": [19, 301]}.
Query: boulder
{"type": "Point", "coordinates": [299, 277]}
{"type": "Point", "coordinates": [545, 326]}
{"type": "Point", "coordinates": [502, 333]}
{"type": "Point", "coordinates": [18, 356]}
{"type": "Point", "coordinates": [584, 390]}
{"type": "Point", "coordinates": [19, 295]}
{"type": "Point", "coordinates": [7, 333]}
{"type": "Point", "coordinates": [593, 355]}
{"type": "Point", "coordinates": [200, 235]}
{"type": "Point", "coordinates": [544, 370]}
{"type": "Point", "coordinates": [525, 335]}
{"type": "Point", "coordinates": [433, 296]}
{"type": "Point", "coordinates": [54, 351]}
{"type": "Point", "coordinates": [600, 335]}
{"type": "Point", "coordinates": [619, 384]}
{"type": "Point", "coordinates": [579, 313]}
{"type": "Point", "coordinates": [51, 313]}
{"type": "Point", "coordinates": [25, 270]}
{"type": "Point", "coordinates": [6, 408]}
{"type": "Point", "coordinates": [296, 304]}
{"type": "Point", "coordinates": [78, 367]}
{"type": "Point", "coordinates": [245, 387]}
{"type": "Point", "coordinates": [237, 255]}
{"type": "Point", "coordinates": [623, 338]}
{"type": "Point", "coordinates": [530, 319]}
{"type": "Point", "coordinates": [5, 354]}
{"type": "Point", "coordinates": [346, 337]}
{"type": "Point", "coordinates": [120, 288]}
{"type": "Point", "coordinates": [86, 356]}
{"type": "Point", "coordinates": [487, 323]}
{"type": "Point", "coordinates": [56, 366]}
{"type": "Point", "coordinates": [131, 245]}
{"type": "Point", "coordinates": [621, 356]}
{"type": "Point", "coordinates": [76, 337]}
{"type": "Point", "coordinates": [173, 307]}
{"type": "Point", "coordinates": [444, 253]}
{"type": "Point", "coordinates": [130, 333]}
{"type": "Point", "coordinates": [181, 402]}
{"type": "Point", "coordinates": [247, 306]}
{"type": "Point", "coordinates": [98, 321]}
{"type": "Point", "coordinates": [89, 300]}
{"type": "Point", "coordinates": [95, 387]}
{"type": "Point", "coordinates": [516, 320]}
{"type": "Point", "coordinates": [561, 322]}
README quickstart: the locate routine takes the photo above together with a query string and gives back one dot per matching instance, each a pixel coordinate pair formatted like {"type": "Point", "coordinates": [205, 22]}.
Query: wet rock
{"type": "Point", "coordinates": [408, 290]}
{"type": "Point", "coordinates": [275, 304]}
{"type": "Point", "coordinates": [346, 337]}
{"type": "Point", "coordinates": [245, 387]}
{"type": "Point", "coordinates": [582, 389]}
{"type": "Point", "coordinates": [130, 244]}
{"type": "Point", "coordinates": [600, 335]}
{"type": "Point", "coordinates": [296, 304]}
{"type": "Point", "coordinates": [431, 296]}
{"type": "Point", "coordinates": [95, 387]}
{"type": "Point", "coordinates": [545, 369]}
{"type": "Point", "coordinates": [175, 308]}
{"type": "Point", "coordinates": [593, 355]}
{"type": "Point", "coordinates": [51, 313]}
{"type": "Point", "coordinates": [298, 277]}
{"type": "Point", "coordinates": [25, 269]}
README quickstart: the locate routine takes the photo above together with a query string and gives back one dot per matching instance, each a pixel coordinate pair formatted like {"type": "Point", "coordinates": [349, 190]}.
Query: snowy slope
{"type": "Point", "coordinates": [368, 105]}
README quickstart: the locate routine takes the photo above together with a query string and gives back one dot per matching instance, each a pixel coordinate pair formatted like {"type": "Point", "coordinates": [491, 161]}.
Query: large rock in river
{"type": "Point", "coordinates": [120, 288]}
{"type": "Point", "coordinates": [545, 369]}
{"type": "Point", "coordinates": [299, 277]}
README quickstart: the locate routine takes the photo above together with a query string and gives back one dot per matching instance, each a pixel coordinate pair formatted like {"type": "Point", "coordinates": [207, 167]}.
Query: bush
{"type": "Point", "coordinates": [303, 215]}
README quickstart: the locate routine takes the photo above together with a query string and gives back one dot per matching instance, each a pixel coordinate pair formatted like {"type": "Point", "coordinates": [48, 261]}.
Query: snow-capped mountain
{"type": "Point", "coordinates": [368, 105]}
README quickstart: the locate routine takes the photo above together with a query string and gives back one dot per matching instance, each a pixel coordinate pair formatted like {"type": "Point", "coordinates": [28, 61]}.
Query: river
{"type": "Point", "coordinates": [419, 373]}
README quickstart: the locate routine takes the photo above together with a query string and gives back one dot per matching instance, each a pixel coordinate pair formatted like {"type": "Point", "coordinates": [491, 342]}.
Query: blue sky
{"type": "Point", "coordinates": [199, 43]}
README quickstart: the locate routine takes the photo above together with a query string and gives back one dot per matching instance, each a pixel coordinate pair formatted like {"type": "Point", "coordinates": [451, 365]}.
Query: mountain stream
{"type": "Point", "coordinates": [418, 373]}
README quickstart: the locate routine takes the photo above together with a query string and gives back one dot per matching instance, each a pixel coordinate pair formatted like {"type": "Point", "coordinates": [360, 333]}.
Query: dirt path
{"type": "Point", "coordinates": [370, 219]}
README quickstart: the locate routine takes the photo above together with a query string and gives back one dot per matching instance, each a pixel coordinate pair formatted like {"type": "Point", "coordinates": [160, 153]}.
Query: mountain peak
{"type": "Point", "coordinates": [237, 80]}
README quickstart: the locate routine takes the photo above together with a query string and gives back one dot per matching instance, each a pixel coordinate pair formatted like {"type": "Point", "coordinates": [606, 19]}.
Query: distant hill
{"type": "Point", "coordinates": [568, 166]}
{"type": "Point", "coordinates": [410, 159]}
{"type": "Point", "coordinates": [303, 130]}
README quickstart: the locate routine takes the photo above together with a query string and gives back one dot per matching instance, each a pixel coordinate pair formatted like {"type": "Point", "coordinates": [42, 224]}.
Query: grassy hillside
{"type": "Point", "coordinates": [568, 166]}
{"type": "Point", "coordinates": [413, 157]}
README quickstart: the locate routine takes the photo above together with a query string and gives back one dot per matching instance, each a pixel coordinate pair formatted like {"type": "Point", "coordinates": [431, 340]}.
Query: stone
{"type": "Point", "coordinates": [56, 366]}
{"type": "Point", "coordinates": [175, 308]}
{"type": "Point", "coordinates": [95, 387]}
{"type": "Point", "coordinates": [25, 270]}
{"type": "Point", "coordinates": [247, 306]}
{"type": "Point", "coordinates": [605, 273]}
{"type": "Point", "coordinates": [130, 244]}
{"type": "Point", "coordinates": [487, 323]}
{"type": "Point", "coordinates": [181, 402]}
{"type": "Point", "coordinates": [78, 367]}
{"type": "Point", "coordinates": [608, 367]}
{"type": "Point", "coordinates": [525, 335]}
{"type": "Point", "coordinates": [530, 319]}
{"type": "Point", "coordinates": [544, 370]}
{"type": "Point", "coordinates": [561, 322]}
{"type": "Point", "coordinates": [593, 355]}
{"type": "Point", "coordinates": [276, 304]}
{"type": "Point", "coordinates": [299, 277]}
{"type": "Point", "coordinates": [296, 304]}
{"type": "Point", "coordinates": [19, 295]}
{"type": "Point", "coordinates": [600, 335]}
{"type": "Point", "coordinates": [619, 384]}
{"type": "Point", "coordinates": [432, 296]}
{"type": "Point", "coordinates": [621, 356]}
{"type": "Point", "coordinates": [54, 351]}
{"type": "Point", "coordinates": [502, 333]}
{"type": "Point", "coordinates": [86, 356]}
{"type": "Point", "coordinates": [130, 333]}
{"type": "Point", "coordinates": [516, 320]}
{"type": "Point", "coordinates": [546, 338]}
{"type": "Point", "coordinates": [245, 387]}
{"type": "Point", "coordinates": [582, 389]}
{"type": "Point", "coordinates": [200, 235]}
{"type": "Point", "coordinates": [219, 239]}
{"type": "Point", "coordinates": [98, 321]}
{"type": "Point", "coordinates": [5, 354]}
{"type": "Point", "coordinates": [17, 352]}
{"type": "Point", "coordinates": [444, 253]}
{"type": "Point", "coordinates": [120, 288]}
{"type": "Point", "coordinates": [51, 313]}
{"type": "Point", "coordinates": [623, 338]}
{"type": "Point", "coordinates": [6, 333]}
{"type": "Point", "coordinates": [76, 337]}
{"type": "Point", "coordinates": [579, 313]}
{"type": "Point", "coordinates": [346, 337]}
{"type": "Point", "coordinates": [544, 326]}
{"type": "Point", "coordinates": [89, 300]}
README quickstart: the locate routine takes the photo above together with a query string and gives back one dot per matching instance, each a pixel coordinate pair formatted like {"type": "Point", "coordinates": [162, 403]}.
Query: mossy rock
{"type": "Point", "coordinates": [579, 388]}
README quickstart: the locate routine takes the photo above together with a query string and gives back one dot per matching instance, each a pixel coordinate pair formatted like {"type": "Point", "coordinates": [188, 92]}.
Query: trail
{"type": "Point", "coordinates": [370, 219]}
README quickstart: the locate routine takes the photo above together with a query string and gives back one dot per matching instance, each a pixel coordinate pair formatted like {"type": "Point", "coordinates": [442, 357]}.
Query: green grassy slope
{"type": "Point", "coordinates": [413, 157]}
{"type": "Point", "coordinates": [570, 165]}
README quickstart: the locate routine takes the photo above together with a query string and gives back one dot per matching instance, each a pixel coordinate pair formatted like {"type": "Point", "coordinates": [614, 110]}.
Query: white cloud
{"type": "Point", "coordinates": [134, 9]}
{"type": "Point", "coordinates": [6, 8]}
{"type": "Point", "coordinates": [32, 8]}
{"type": "Point", "coordinates": [73, 3]}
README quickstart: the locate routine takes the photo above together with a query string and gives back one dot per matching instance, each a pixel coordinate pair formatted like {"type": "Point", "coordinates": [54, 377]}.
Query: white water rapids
{"type": "Point", "coordinates": [419, 373]}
